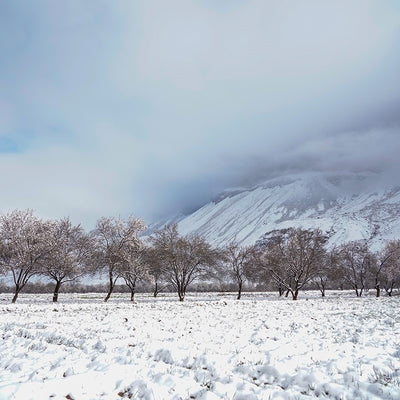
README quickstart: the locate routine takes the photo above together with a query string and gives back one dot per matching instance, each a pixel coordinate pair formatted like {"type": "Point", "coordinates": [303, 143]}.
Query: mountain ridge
{"type": "Point", "coordinates": [346, 206]}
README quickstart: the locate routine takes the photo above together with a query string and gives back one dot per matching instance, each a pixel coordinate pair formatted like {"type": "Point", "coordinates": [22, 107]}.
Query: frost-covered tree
{"type": "Point", "coordinates": [24, 243]}
{"type": "Point", "coordinates": [239, 261]}
{"type": "Point", "coordinates": [155, 269]}
{"type": "Point", "coordinates": [294, 258]}
{"type": "Point", "coordinates": [387, 269]}
{"type": "Point", "coordinates": [355, 261]}
{"type": "Point", "coordinates": [70, 255]}
{"type": "Point", "coordinates": [185, 258]}
{"type": "Point", "coordinates": [115, 238]}
{"type": "Point", "coordinates": [256, 272]}
{"type": "Point", "coordinates": [5, 256]}
{"type": "Point", "coordinates": [134, 266]}
{"type": "Point", "coordinates": [327, 270]}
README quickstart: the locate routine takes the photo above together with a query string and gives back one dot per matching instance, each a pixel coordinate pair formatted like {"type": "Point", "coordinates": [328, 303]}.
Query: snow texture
{"type": "Point", "coordinates": [343, 206]}
{"type": "Point", "coordinates": [208, 347]}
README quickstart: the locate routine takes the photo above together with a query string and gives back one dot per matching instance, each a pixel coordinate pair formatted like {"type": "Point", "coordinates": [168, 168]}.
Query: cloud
{"type": "Point", "coordinates": [154, 107]}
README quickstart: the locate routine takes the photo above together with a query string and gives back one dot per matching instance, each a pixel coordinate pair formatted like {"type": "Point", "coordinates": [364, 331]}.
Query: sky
{"type": "Point", "coordinates": [152, 108]}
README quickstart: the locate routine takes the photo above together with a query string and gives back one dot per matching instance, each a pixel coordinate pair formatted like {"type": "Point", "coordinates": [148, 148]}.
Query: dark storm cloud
{"type": "Point", "coordinates": [155, 107]}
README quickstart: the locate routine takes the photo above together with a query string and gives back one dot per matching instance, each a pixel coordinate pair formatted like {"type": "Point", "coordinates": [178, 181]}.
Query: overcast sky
{"type": "Point", "coordinates": [152, 107]}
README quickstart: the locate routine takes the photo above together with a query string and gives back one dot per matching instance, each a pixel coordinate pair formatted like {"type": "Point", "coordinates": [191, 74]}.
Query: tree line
{"type": "Point", "coordinates": [290, 261]}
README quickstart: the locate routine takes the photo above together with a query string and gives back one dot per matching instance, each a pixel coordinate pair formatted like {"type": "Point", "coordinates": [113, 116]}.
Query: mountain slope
{"type": "Point", "coordinates": [344, 205]}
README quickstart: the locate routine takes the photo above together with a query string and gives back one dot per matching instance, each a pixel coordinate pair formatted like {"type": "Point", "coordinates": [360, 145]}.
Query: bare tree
{"type": "Point", "coordinates": [24, 244]}
{"type": "Point", "coordinates": [5, 255]}
{"type": "Point", "coordinates": [155, 268]}
{"type": "Point", "coordinates": [256, 272]}
{"type": "Point", "coordinates": [134, 266]}
{"type": "Point", "coordinates": [239, 261]}
{"type": "Point", "coordinates": [185, 258]}
{"type": "Point", "coordinates": [328, 270]}
{"type": "Point", "coordinates": [115, 238]}
{"type": "Point", "coordinates": [70, 255]}
{"type": "Point", "coordinates": [294, 258]}
{"type": "Point", "coordinates": [355, 265]}
{"type": "Point", "coordinates": [386, 268]}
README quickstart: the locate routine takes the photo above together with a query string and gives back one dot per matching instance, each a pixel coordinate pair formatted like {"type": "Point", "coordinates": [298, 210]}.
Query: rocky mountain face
{"type": "Point", "coordinates": [345, 206]}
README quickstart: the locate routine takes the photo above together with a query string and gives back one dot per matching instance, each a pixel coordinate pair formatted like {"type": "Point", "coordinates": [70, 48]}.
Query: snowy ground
{"type": "Point", "coordinates": [209, 347]}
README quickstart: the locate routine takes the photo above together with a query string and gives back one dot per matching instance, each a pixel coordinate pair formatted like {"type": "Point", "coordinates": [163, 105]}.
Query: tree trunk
{"type": "Point", "coordinates": [287, 293]}
{"type": "Point", "coordinates": [110, 286]}
{"type": "Point", "coordinates": [181, 295]}
{"type": "Point", "coordinates": [18, 288]}
{"type": "Point", "coordinates": [281, 291]}
{"type": "Point", "coordinates": [295, 293]}
{"type": "Point", "coordinates": [14, 299]}
{"type": "Point", "coordinates": [108, 295]}
{"type": "Point", "coordinates": [155, 293]}
{"type": "Point", "coordinates": [239, 291]}
{"type": "Point", "coordinates": [322, 285]}
{"type": "Point", "coordinates": [181, 288]}
{"type": "Point", "coordinates": [389, 289]}
{"type": "Point", "coordinates": [133, 286]}
{"type": "Point", "coordinates": [377, 286]}
{"type": "Point", "coordinates": [56, 290]}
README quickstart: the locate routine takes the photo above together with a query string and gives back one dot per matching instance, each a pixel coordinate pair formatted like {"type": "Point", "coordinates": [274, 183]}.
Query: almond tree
{"type": "Point", "coordinates": [328, 270]}
{"type": "Point", "coordinates": [134, 266]}
{"type": "Point", "coordinates": [386, 268]}
{"type": "Point", "coordinates": [239, 261]}
{"type": "Point", "coordinates": [5, 256]}
{"type": "Point", "coordinates": [155, 270]}
{"type": "Point", "coordinates": [355, 261]}
{"type": "Point", "coordinates": [392, 277]}
{"type": "Point", "coordinates": [185, 258]}
{"type": "Point", "coordinates": [294, 258]}
{"type": "Point", "coordinates": [70, 255]}
{"type": "Point", "coordinates": [388, 272]}
{"type": "Point", "coordinates": [25, 243]}
{"type": "Point", "coordinates": [115, 237]}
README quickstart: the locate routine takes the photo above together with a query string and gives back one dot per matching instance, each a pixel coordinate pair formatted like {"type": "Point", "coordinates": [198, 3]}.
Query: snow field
{"type": "Point", "coordinates": [208, 347]}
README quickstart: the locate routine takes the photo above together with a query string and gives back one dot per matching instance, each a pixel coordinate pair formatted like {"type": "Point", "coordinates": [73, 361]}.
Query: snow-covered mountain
{"type": "Point", "coordinates": [347, 206]}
